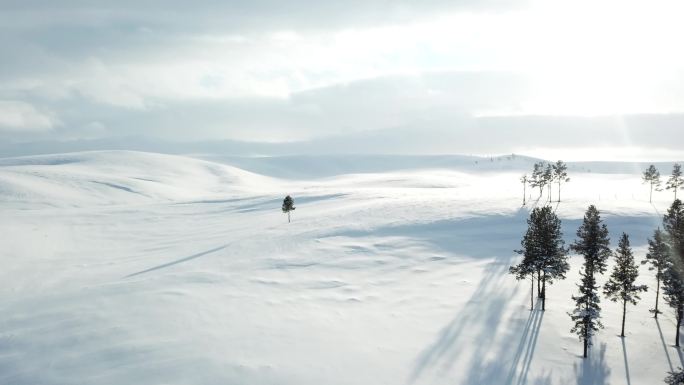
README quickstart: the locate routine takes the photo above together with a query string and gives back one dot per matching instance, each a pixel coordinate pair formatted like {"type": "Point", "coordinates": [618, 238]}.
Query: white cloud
{"type": "Point", "coordinates": [296, 70]}
{"type": "Point", "coordinates": [23, 117]}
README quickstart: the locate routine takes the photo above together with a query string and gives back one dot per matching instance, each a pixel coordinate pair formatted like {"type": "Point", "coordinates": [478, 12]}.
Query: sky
{"type": "Point", "coordinates": [579, 80]}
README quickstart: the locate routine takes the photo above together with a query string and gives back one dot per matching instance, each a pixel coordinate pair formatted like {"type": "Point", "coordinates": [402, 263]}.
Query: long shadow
{"type": "Point", "coordinates": [662, 340]}
{"type": "Point", "coordinates": [177, 261]}
{"type": "Point", "coordinates": [458, 236]}
{"type": "Point", "coordinates": [624, 355]}
{"type": "Point", "coordinates": [593, 369]}
{"type": "Point", "coordinates": [531, 346]}
{"type": "Point", "coordinates": [477, 320]}
{"type": "Point", "coordinates": [521, 345]}
{"type": "Point", "coordinates": [472, 236]}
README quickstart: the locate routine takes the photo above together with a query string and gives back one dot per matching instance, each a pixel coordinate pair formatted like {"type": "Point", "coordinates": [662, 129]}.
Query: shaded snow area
{"type": "Point", "coordinates": [136, 268]}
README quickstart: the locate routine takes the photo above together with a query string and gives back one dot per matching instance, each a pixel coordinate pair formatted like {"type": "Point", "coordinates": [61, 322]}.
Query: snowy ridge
{"type": "Point", "coordinates": [118, 177]}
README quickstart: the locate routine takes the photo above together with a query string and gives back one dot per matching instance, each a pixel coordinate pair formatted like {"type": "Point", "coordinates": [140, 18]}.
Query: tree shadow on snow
{"type": "Point", "coordinates": [662, 341]}
{"type": "Point", "coordinates": [593, 369]}
{"type": "Point", "coordinates": [470, 237]}
{"type": "Point", "coordinates": [493, 359]}
{"type": "Point", "coordinates": [177, 261]}
{"type": "Point", "coordinates": [492, 235]}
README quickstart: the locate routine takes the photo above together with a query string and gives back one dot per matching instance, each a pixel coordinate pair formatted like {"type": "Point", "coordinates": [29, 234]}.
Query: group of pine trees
{"type": "Point", "coordinates": [652, 177]}
{"type": "Point", "coordinates": [545, 259]}
{"type": "Point", "coordinates": [544, 175]}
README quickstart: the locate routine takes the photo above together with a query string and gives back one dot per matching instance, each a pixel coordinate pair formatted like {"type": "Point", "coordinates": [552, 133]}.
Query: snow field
{"type": "Point", "coordinates": [123, 267]}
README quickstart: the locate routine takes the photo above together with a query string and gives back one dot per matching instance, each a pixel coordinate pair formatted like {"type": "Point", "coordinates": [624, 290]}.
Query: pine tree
{"type": "Point", "coordinates": [552, 260]}
{"type": "Point", "coordinates": [593, 243]}
{"type": "Point", "coordinates": [543, 252]}
{"type": "Point", "coordinates": [537, 180]}
{"type": "Point", "coordinates": [673, 293]}
{"type": "Point", "coordinates": [560, 174]}
{"type": "Point", "coordinates": [288, 205]}
{"type": "Point", "coordinates": [620, 285]}
{"type": "Point", "coordinates": [673, 279]}
{"type": "Point", "coordinates": [548, 178]}
{"type": "Point", "coordinates": [524, 180]}
{"type": "Point", "coordinates": [675, 182]}
{"type": "Point", "coordinates": [659, 258]}
{"type": "Point", "coordinates": [525, 269]}
{"type": "Point", "coordinates": [675, 378]}
{"type": "Point", "coordinates": [530, 251]}
{"type": "Point", "coordinates": [652, 177]}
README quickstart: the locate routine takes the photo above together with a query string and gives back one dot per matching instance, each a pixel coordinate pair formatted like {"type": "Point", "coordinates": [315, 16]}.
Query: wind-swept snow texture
{"type": "Point", "coordinates": [136, 268]}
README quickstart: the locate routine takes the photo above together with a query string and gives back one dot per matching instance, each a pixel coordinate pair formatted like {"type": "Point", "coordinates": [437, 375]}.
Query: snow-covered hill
{"type": "Point", "coordinates": [119, 177]}
{"type": "Point", "coordinates": [126, 267]}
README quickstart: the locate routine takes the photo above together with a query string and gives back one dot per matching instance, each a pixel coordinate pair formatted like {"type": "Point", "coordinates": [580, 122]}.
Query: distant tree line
{"type": "Point", "coordinates": [544, 175]}
{"type": "Point", "coordinates": [652, 177]}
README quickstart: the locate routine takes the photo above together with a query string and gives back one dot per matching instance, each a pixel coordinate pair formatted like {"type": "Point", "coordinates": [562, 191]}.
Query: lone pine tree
{"type": "Point", "coordinates": [560, 174]}
{"type": "Point", "coordinates": [288, 205]}
{"type": "Point", "coordinates": [620, 285]}
{"type": "Point", "coordinates": [658, 257]}
{"type": "Point", "coordinates": [652, 177]}
{"type": "Point", "coordinates": [673, 279]}
{"type": "Point", "coordinates": [543, 252]}
{"type": "Point", "coordinates": [675, 182]}
{"type": "Point", "coordinates": [593, 243]}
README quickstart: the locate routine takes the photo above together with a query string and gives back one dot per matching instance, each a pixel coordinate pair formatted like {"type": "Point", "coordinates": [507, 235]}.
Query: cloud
{"type": "Point", "coordinates": [23, 117]}
{"type": "Point", "coordinates": [443, 76]}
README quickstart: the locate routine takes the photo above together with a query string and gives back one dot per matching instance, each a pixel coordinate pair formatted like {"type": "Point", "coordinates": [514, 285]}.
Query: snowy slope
{"type": "Point", "coordinates": [398, 277]}
{"type": "Point", "coordinates": [117, 177]}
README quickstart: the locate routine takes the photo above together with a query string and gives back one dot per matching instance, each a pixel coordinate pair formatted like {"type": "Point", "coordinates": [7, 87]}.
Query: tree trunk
{"type": "Point", "coordinates": [586, 338]}
{"type": "Point", "coordinates": [657, 295]}
{"type": "Point", "coordinates": [532, 293]}
{"type": "Point", "coordinates": [288, 217]}
{"type": "Point", "coordinates": [559, 183]}
{"type": "Point", "coordinates": [650, 195]}
{"type": "Point", "coordinates": [524, 192]}
{"type": "Point", "coordinates": [543, 293]}
{"type": "Point", "coordinates": [539, 284]}
{"type": "Point", "coordinates": [624, 310]}
{"type": "Point", "coordinates": [679, 321]}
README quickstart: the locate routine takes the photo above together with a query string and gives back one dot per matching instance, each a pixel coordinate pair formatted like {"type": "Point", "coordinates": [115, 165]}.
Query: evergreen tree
{"type": "Point", "coordinates": [673, 293]}
{"type": "Point", "coordinates": [673, 224]}
{"type": "Point", "coordinates": [652, 177]}
{"type": "Point", "coordinates": [288, 205]}
{"type": "Point", "coordinates": [537, 180]}
{"type": "Point", "coordinates": [659, 258]}
{"type": "Point", "coordinates": [673, 279]}
{"type": "Point", "coordinates": [543, 252]}
{"type": "Point", "coordinates": [548, 178]}
{"type": "Point", "coordinates": [675, 378]}
{"type": "Point", "coordinates": [560, 174]}
{"type": "Point", "coordinates": [524, 180]}
{"type": "Point", "coordinates": [620, 285]}
{"type": "Point", "coordinates": [552, 259]}
{"type": "Point", "coordinates": [675, 182]}
{"type": "Point", "coordinates": [593, 243]}
{"type": "Point", "coordinates": [525, 269]}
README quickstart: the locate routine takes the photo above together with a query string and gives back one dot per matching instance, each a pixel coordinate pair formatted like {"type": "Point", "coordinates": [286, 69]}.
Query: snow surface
{"type": "Point", "coordinates": [138, 268]}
